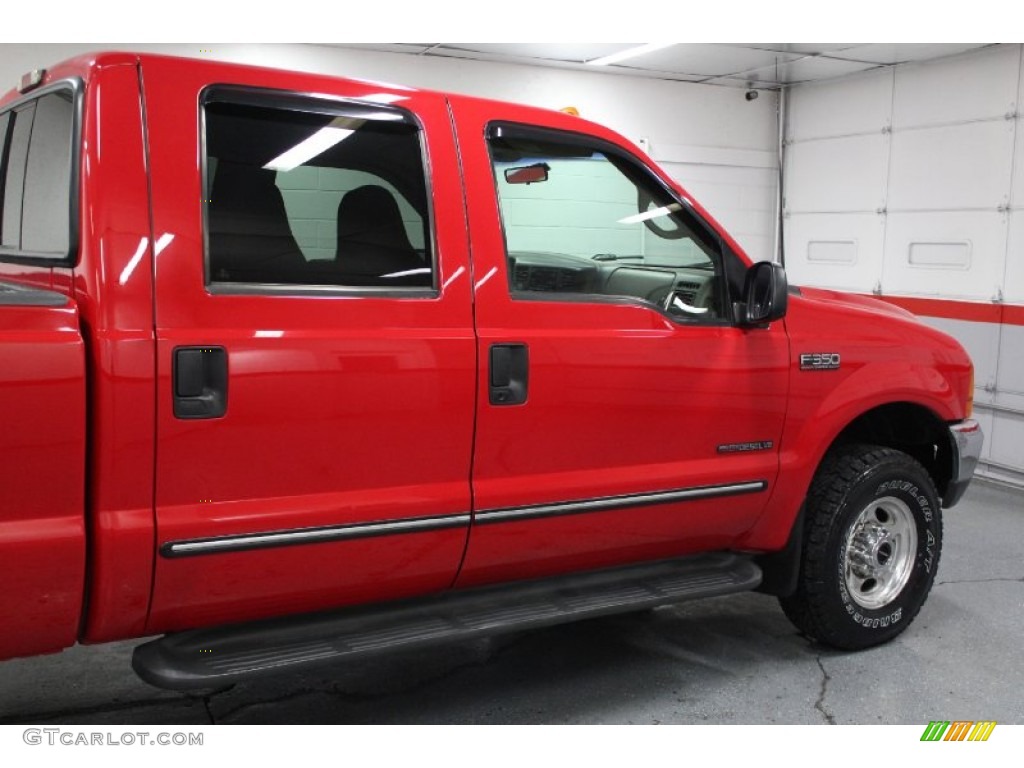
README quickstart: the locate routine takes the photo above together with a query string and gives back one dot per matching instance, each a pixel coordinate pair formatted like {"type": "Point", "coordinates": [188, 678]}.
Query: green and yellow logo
{"type": "Point", "coordinates": [958, 730]}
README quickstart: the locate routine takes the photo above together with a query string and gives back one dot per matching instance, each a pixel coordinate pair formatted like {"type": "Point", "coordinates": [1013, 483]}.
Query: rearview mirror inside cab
{"type": "Point", "coordinates": [527, 174]}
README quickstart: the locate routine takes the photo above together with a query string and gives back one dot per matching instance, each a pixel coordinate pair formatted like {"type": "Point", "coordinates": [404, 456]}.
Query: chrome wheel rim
{"type": "Point", "coordinates": [879, 552]}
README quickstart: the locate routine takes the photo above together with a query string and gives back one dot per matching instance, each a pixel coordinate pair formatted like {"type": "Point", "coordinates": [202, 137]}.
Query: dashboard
{"type": "Point", "coordinates": [692, 291]}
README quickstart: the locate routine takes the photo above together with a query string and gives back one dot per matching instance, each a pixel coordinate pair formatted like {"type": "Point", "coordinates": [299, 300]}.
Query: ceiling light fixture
{"type": "Point", "coordinates": [628, 53]}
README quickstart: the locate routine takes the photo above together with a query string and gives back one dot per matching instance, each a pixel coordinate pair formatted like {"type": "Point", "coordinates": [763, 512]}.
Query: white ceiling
{"type": "Point", "coordinates": [765, 65]}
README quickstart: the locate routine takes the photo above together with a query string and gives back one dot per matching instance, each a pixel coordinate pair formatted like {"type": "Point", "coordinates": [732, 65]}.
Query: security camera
{"type": "Point", "coordinates": [751, 95]}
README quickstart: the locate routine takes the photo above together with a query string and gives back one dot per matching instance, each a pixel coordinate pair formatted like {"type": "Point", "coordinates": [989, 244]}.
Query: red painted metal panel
{"type": "Point", "coordinates": [621, 401]}
{"type": "Point", "coordinates": [348, 410]}
{"type": "Point", "coordinates": [42, 478]}
{"type": "Point", "coordinates": [341, 410]}
{"type": "Point", "coordinates": [887, 356]}
{"type": "Point", "coordinates": [116, 313]}
{"type": "Point", "coordinates": [113, 284]}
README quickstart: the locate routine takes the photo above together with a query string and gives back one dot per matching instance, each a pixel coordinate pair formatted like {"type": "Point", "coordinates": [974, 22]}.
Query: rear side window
{"type": "Point", "coordinates": [37, 173]}
{"type": "Point", "coordinates": [306, 192]}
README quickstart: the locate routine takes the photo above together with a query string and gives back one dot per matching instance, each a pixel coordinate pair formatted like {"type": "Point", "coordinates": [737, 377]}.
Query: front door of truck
{"type": "Point", "coordinates": [623, 414]}
{"type": "Point", "coordinates": [316, 359]}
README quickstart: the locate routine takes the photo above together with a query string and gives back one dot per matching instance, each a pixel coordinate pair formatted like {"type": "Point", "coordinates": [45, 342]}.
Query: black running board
{"type": "Point", "coordinates": [205, 658]}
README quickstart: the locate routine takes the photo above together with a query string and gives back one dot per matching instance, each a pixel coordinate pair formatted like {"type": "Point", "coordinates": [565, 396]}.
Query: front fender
{"type": "Point", "coordinates": [809, 434]}
{"type": "Point", "coordinates": [885, 359]}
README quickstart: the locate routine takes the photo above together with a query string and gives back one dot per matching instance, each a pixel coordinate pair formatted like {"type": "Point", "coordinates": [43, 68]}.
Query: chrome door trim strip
{"type": "Point", "coordinates": [284, 538]}
{"type": "Point", "coordinates": [265, 540]}
{"type": "Point", "coordinates": [610, 503]}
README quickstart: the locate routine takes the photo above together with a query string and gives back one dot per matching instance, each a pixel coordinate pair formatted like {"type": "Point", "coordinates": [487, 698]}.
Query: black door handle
{"type": "Point", "coordinates": [200, 377]}
{"type": "Point", "coordinates": [509, 374]}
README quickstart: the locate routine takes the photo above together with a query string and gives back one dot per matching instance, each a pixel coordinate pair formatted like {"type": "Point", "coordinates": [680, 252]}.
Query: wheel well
{"type": "Point", "coordinates": [907, 427]}
{"type": "Point", "coordinates": [903, 426]}
{"type": "Point", "coordinates": [910, 428]}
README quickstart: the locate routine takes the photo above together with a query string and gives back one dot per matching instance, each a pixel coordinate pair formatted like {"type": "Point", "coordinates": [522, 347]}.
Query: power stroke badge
{"type": "Point", "coordinates": [757, 445]}
{"type": "Point", "coordinates": [819, 361]}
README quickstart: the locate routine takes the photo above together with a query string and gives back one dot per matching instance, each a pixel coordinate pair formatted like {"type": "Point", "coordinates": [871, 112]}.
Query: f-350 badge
{"type": "Point", "coordinates": [819, 361]}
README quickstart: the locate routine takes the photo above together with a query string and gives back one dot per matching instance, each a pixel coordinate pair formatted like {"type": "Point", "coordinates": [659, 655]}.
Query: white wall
{"type": "Point", "coordinates": [717, 144]}
{"type": "Point", "coordinates": [742, 198]}
{"type": "Point", "coordinates": [911, 182]}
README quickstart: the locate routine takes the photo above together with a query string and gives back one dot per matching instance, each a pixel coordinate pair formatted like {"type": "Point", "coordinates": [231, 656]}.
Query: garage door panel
{"type": "Point", "coordinates": [716, 196]}
{"type": "Point", "coordinates": [1013, 288]}
{"type": "Point", "coordinates": [1018, 152]}
{"type": "Point", "coordinates": [831, 251]}
{"type": "Point", "coordinates": [957, 79]}
{"type": "Point", "coordinates": [846, 174]}
{"type": "Point", "coordinates": [746, 223]}
{"type": "Point", "coordinates": [1018, 165]}
{"type": "Point", "coordinates": [954, 167]}
{"type": "Point", "coordinates": [720, 188]}
{"type": "Point", "coordinates": [955, 255]}
{"type": "Point", "coordinates": [1012, 400]}
{"type": "Point", "coordinates": [1011, 363]}
{"type": "Point", "coordinates": [856, 105]}
{"type": "Point", "coordinates": [761, 197]}
{"type": "Point", "coordinates": [981, 340]}
{"type": "Point", "coordinates": [742, 199]}
{"type": "Point", "coordinates": [1006, 438]}
{"type": "Point", "coordinates": [692, 174]}
{"type": "Point", "coordinates": [758, 248]}
{"type": "Point", "coordinates": [986, 420]}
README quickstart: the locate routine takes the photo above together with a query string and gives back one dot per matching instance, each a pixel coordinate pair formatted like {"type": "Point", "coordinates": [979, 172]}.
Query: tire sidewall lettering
{"type": "Point", "coordinates": [858, 484]}
{"type": "Point", "coordinates": [921, 508]}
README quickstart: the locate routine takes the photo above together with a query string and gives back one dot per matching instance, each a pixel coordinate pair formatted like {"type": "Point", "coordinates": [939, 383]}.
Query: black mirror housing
{"type": "Point", "coordinates": [765, 294]}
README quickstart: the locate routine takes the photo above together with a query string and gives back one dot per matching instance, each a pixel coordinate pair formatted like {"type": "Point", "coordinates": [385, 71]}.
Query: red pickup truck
{"type": "Point", "coordinates": [295, 368]}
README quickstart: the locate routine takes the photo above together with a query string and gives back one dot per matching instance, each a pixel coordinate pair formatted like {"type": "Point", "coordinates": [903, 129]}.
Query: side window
{"type": "Point", "coordinates": [17, 125]}
{"type": "Point", "coordinates": [583, 219]}
{"type": "Point", "coordinates": [300, 195]}
{"type": "Point", "coordinates": [36, 169]}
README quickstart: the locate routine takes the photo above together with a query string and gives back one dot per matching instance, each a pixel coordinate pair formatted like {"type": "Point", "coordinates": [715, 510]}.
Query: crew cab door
{"type": "Point", "coordinates": [623, 414]}
{"type": "Point", "coordinates": [316, 359]}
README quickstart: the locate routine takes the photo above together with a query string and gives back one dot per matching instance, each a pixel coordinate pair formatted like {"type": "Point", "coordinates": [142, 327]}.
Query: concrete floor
{"type": "Point", "coordinates": [725, 660]}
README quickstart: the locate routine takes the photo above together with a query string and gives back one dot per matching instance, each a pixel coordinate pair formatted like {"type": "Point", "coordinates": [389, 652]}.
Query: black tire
{"type": "Point", "coordinates": [871, 512]}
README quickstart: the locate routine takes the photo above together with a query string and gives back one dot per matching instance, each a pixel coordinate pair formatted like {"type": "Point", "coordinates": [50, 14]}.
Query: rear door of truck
{"type": "Point", "coordinates": [316, 355]}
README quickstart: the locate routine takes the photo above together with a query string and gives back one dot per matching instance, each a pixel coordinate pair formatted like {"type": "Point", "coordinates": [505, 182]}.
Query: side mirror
{"type": "Point", "coordinates": [765, 294]}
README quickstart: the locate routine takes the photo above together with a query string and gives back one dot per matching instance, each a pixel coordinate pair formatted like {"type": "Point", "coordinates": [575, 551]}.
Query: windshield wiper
{"type": "Point", "coordinates": [613, 257]}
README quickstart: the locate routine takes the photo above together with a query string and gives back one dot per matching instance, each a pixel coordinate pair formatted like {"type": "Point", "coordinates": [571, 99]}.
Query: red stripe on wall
{"type": "Point", "coordinates": [972, 311]}
{"type": "Point", "coordinates": [1013, 314]}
